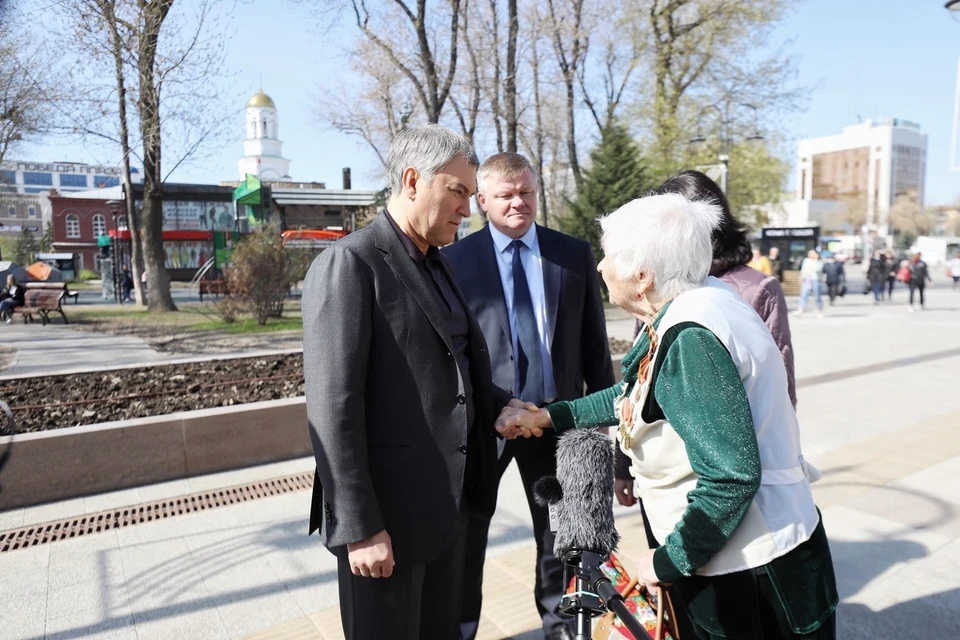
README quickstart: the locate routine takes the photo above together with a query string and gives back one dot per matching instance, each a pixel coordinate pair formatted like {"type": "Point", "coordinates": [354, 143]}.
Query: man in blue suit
{"type": "Point", "coordinates": [536, 295]}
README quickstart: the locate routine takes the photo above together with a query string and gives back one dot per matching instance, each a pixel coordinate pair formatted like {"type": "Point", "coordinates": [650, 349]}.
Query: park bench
{"type": "Point", "coordinates": [55, 286]}
{"type": "Point", "coordinates": [213, 287]}
{"type": "Point", "coordinates": [42, 301]}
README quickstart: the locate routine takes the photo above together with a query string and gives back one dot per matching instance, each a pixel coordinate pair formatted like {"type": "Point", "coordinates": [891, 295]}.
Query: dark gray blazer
{"type": "Point", "coordinates": [580, 352]}
{"type": "Point", "coordinates": [385, 402]}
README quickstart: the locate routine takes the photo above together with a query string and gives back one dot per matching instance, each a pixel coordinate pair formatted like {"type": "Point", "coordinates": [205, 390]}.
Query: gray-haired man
{"type": "Point", "coordinates": [400, 400]}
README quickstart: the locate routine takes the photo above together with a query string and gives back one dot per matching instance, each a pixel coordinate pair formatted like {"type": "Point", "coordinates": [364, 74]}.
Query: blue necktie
{"type": "Point", "coordinates": [530, 384]}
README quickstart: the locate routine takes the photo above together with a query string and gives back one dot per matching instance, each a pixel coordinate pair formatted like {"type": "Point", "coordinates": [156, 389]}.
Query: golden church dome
{"type": "Point", "coordinates": [260, 99]}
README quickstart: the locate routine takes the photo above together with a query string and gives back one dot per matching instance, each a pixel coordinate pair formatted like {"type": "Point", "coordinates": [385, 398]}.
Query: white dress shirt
{"type": "Point", "coordinates": [533, 266]}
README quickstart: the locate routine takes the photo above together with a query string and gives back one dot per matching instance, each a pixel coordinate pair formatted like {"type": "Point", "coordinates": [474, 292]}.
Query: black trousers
{"type": "Point", "coordinates": [536, 458]}
{"type": "Point", "coordinates": [417, 602]}
{"type": "Point", "coordinates": [917, 286]}
{"type": "Point", "coordinates": [833, 290]}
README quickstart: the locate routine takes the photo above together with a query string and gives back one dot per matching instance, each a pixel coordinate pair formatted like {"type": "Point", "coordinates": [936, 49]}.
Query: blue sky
{"type": "Point", "coordinates": [867, 58]}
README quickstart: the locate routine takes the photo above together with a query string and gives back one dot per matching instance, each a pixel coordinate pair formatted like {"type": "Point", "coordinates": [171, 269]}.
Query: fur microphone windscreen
{"type": "Point", "coordinates": [583, 490]}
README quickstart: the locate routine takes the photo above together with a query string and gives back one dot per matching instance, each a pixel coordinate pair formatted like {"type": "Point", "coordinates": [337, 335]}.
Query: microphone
{"type": "Point", "coordinates": [586, 534]}
{"type": "Point", "coordinates": [582, 493]}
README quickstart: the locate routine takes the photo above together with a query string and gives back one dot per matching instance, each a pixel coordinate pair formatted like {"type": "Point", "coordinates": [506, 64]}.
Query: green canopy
{"type": "Point", "coordinates": [248, 191]}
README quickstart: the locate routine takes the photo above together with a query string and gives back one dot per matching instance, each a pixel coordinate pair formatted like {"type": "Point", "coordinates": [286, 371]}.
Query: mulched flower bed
{"type": "Point", "coordinates": [54, 402]}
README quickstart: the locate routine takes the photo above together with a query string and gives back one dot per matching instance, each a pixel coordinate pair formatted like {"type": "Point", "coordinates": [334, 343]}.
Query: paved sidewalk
{"type": "Point", "coordinates": [56, 348]}
{"type": "Point", "coordinates": [880, 413]}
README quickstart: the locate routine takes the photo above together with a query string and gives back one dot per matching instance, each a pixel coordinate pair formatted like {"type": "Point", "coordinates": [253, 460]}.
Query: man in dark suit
{"type": "Point", "coordinates": [536, 295]}
{"type": "Point", "coordinates": [399, 400]}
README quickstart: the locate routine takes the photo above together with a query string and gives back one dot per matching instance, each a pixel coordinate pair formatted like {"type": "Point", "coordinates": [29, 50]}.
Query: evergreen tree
{"type": "Point", "coordinates": [616, 176]}
{"type": "Point", "coordinates": [26, 248]}
{"type": "Point", "coordinates": [46, 240]}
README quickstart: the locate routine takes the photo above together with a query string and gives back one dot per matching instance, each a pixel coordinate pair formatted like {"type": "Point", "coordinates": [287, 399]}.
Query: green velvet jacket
{"type": "Point", "coordinates": [718, 432]}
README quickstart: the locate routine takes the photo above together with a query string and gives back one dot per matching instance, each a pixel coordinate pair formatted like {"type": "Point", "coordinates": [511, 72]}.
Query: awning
{"type": "Point", "coordinates": [248, 191]}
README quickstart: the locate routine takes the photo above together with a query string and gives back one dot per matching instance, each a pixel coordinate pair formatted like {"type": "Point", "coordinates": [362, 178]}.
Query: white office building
{"type": "Point", "coordinates": [66, 177]}
{"type": "Point", "coordinates": [875, 162]}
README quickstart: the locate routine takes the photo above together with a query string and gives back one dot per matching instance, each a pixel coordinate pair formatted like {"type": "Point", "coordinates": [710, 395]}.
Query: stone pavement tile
{"type": "Point", "coordinates": [53, 511]}
{"type": "Point", "coordinates": [508, 602]}
{"type": "Point", "coordinates": [867, 548]}
{"type": "Point", "coordinates": [250, 614]}
{"type": "Point", "coordinates": [11, 519]}
{"type": "Point", "coordinates": [299, 629]}
{"type": "Point", "coordinates": [250, 474]}
{"type": "Point", "coordinates": [161, 573]}
{"type": "Point", "coordinates": [86, 559]}
{"type": "Point", "coordinates": [32, 558]}
{"type": "Point", "coordinates": [115, 624]}
{"type": "Point", "coordinates": [922, 600]}
{"type": "Point", "coordinates": [22, 615]}
{"type": "Point", "coordinates": [104, 600]}
{"type": "Point", "coordinates": [328, 623]}
{"type": "Point", "coordinates": [30, 580]}
{"type": "Point", "coordinates": [111, 500]}
{"type": "Point", "coordinates": [937, 481]}
{"type": "Point", "coordinates": [179, 621]}
{"type": "Point", "coordinates": [164, 490]}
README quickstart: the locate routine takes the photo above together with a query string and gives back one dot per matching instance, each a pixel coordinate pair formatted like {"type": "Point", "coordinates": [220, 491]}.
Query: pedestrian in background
{"type": "Point", "coordinates": [877, 275]}
{"type": "Point", "coordinates": [953, 270]}
{"type": "Point", "coordinates": [891, 273]}
{"type": "Point", "coordinates": [760, 263]}
{"type": "Point", "coordinates": [835, 276]}
{"type": "Point", "coordinates": [776, 264]}
{"type": "Point", "coordinates": [919, 276]}
{"type": "Point", "coordinates": [811, 272]}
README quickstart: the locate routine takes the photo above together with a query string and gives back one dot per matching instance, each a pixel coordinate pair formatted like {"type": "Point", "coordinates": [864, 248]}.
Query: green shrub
{"type": "Point", "coordinates": [86, 275]}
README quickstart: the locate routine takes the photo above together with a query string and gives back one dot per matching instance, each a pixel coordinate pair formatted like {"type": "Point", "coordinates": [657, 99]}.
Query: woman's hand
{"type": "Point", "coordinates": [522, 419]}
{"type": "Point", "coordinates": [645, 571]}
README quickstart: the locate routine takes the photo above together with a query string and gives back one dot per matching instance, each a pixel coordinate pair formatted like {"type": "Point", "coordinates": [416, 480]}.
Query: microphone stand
{"type": "Point", "coordinates": [593, 595]}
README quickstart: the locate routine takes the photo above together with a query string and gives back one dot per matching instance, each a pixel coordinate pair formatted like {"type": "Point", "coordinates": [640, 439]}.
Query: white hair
{"type": "Point", "coordinates": [427, 149]}
{"type": "Point", "coordinates": [666, 236]}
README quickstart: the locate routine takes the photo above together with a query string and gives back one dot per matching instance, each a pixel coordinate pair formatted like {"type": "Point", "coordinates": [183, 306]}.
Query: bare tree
{"type": "Point", "coordinates": [23, 103]}
{"type": "Point", "coordinates": [419, 63]}
{"type": "Point", "coordinates": [143, 71]}
{"type": "Point", "coordinates": [510, 80]}
{"type": "Point", "coordinates": [570, 45]}
{"type": "Point", "coordinates": [375, 110]}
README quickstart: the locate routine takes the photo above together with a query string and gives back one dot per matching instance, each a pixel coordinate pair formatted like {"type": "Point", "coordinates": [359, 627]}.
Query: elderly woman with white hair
{"type": "Point", "coordinates": [704, 413]}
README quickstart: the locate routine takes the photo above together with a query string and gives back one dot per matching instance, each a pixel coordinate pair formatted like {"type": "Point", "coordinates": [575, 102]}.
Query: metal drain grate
{"type": "Point", "coordinates": [91, 523]}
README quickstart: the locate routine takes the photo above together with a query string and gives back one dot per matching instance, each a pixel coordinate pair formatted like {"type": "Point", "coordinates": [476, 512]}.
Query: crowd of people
{"type": "Point", "coordinates": [427, 371]}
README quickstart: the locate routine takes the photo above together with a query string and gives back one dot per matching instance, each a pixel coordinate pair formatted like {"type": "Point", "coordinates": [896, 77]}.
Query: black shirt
{"type": "Point", "coordinates": [451, 307]}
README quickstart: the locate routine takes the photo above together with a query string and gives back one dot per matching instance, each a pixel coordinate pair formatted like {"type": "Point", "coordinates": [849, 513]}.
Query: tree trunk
{"type": "Point", "coordinates": [133, 217]}
{"type": "Point", "coordinates": [510, 82]}
{"type": "Point", "coordinates": [158, 281]}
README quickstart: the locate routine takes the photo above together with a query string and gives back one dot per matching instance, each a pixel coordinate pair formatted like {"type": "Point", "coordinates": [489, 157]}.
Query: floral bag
{"type": "Point", "coordinates": [654, 610]}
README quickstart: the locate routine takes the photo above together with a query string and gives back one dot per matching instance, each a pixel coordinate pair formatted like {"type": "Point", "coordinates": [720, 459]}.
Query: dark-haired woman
{"type": "Point", "coordinates": [731, 254]}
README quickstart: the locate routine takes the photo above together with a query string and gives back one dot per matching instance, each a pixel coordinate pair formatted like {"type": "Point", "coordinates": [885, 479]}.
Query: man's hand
{"type": "Point", "coordinates": [522, 419]}
{"type": "Point", "coordinates": [373, 557]}
{"type": "Point", "coordinates": [623, 490]}
{"type": "Point", "coordinates": [645, 572]}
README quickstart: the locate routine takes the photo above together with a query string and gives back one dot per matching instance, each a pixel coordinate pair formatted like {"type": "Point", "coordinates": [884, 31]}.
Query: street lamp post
{"type": "Point", "coordinates": [726, 135]}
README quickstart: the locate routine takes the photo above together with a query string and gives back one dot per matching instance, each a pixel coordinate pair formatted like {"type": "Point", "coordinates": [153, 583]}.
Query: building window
{"type": "Point", "coordinates": [41, 179]}
{"type": "Point", "coordinates": [105, 181]}
{"type": "Point", "coordinates": [99, 226]}
{"type": "Point", "coordinates": [32, 212]}
{"type": "Point", "coordinates": [73, 226]}
{"type": "Point", "coordinates": [11, 211]}
{"type": "Point", "coordinates": [72, 180]}
{"type": "Point", "coordinates": [8, 177]}
{"type": "Point", "coordinates": [36, 190]}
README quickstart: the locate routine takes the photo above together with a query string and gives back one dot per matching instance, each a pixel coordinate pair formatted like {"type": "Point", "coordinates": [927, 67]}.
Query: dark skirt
{"type": "Point", "coordinates": [792, 597]}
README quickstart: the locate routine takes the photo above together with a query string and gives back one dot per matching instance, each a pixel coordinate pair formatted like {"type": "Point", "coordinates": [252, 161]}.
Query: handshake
{"type": "Point", "coordinates": [520, 418]}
